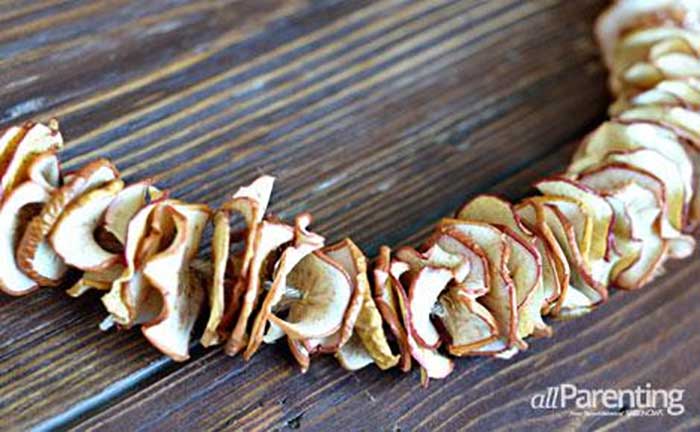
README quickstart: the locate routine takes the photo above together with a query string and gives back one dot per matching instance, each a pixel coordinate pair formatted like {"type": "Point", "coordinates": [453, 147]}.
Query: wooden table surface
{"type": "Point", "coordinates": [377, 116]}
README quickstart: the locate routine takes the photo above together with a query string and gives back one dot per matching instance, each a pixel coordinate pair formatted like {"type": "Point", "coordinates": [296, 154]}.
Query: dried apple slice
{"type": "Point", "coordinates": [423, 292]}
{"type": "Point", "coordinates": [269, 237]}
{"type": "Point", "coordinates": [181, 288]}
{"type": "Point", "coordinates": [645, 214]}
{"type": "Point", "coordinates": [80, 220]}
{"type": "Point", "coordinates": [555, 269]}
{"type": "Point", "coordinates": [353, 356]}
{"type": "Point", "coordinates": [610, 176]}
{"type": "Point", "coordinates": [622, 14]}
{"type": "Point", "coordinates": [45, 171]}
{"type": "Point", "coordinates": [385, 297]}
{"type": "Point", "coordinates": [685, 123]}
{"type": "Point", "coordinates": [19, 154]}
{"type": "Point", "coordinates": [35, 256]}
{"type": "Point", "coordinates": [132, 300]}
{"type": "Point", "coordinates": [661, 168]}
{"type": "Point", "coordinates": [593, 204]}
{"type": "Point", "coordinates": [18, 205]}
{"type": "Point", "coordinates": [469, 325]}
{"type": "Point", "coordinates": [100, 280]}
{"type": "Point", "coordinates": [583, 291]}
{"type": "Point", "coordinates": [501, 299]}
{"type": "Point", "coordinates": [433, 364]}
{"type": "Point", "coordinates": [524, 263]}
{"type": "Point", "coordinates": [304, 243]}
{"type": "Point", "coordinates": [326, 291]}
{"type": "Point", "coordinates": [613, 136]}
{"type": "Point", "coordinates": [126, 204]}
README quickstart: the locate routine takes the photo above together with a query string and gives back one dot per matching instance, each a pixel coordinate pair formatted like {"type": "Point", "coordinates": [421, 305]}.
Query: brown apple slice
{"type": "Point", "coordinates": [181, 288]}
{"type": "Point", "coordinates": [36, 139]}
{"type": "Point", "coordinates": [100, 280]}
{"type": "Point", "coordinates": [35, 255]}
{"type": "Point", "coordinates": [304, 243]}
{"type": "Point", "coordinates": [501, 299]}
{"type": "Point", "coordinates": [326, 290]}
{"type": "Point", "coordinates": [385, 297]}
{"type": "Point", "coordinates": [80, 220]}
{"type": "Point", "coordinates": [18, 205]}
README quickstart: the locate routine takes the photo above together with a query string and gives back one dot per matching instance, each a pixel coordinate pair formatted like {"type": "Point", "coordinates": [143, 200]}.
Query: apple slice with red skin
{"type": "Point", "coordinates": [131, 299]}
{"type": "Point", "coordinates": [181, 288]}
{"type": "Point", "coordinates": [593, 204]}
{"type": "Point", "coordinates": [30, 141]}
{"type": "Point", "coordinates": [268, 238]}
{"type": "Point", "coordinates": [612, 136]}
{"type": "Point", "coordinates": [622, 15]}
{"type": "Point", "coordinates": [325, 296]}
{"type": "Point", "coordinates": [501, 299]}
{"type": "Point", "coordinates": [609, 176]}
{"type": "Point", "coordinates": [126, 204]}
{"type": "Point", "coordinates": [385, 296]}
{"type": "Point", "coordinates": [13, 221]}
{"type": "Point", "coordinates": [680, 120]}
{"type": "Point", "coordinates": [362, 317]}
{"type": "Point", "coordinates": [304, 243]}
{"type": "Point", "coordinates": [582, 292]}
{"type": "Point", "coordinates": [524, 263]}
{"type": "Point", "coordinates": [556, 265]}
{"type": "Point", "coordinates": [35, 256]}
{"type": "Point", "coordinates": [226, 296]}
{"type": "Point", "coordinates": [80, 220]}
{"type": "Point", "coordinates": [468, 324]}
{"type": "Point", "coordinates": [432, 363]}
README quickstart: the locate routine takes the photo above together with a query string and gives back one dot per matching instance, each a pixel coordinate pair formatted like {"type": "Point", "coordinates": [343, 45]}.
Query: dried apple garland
{"type": "Point", "coordinates": [479, 286]}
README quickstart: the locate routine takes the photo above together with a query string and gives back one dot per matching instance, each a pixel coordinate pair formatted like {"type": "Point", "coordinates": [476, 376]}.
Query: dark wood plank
{"type": "Point", "coordinates": [379, 117]}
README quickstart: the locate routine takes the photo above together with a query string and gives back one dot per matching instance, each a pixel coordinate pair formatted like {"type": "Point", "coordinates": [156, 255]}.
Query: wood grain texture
{"type": "Point", "coordinates": [377, 116]}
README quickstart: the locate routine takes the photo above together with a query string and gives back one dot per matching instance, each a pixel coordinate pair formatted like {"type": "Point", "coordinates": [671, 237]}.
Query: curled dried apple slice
{"type": "Point", "coordinates": [226, 296]}
{"type": "Point", "coordinates": [644, 212]}
{"type": "Point", "coordinates": [17, 206]}
{"type": "Point", "coordinates": [622, 14]}
{"type": "Point", "coordinates": [555, 267]}
{"type": "Point", "coordinates": [45, 171]}
{"type": "Point", "coordinates": [501, 299]}
{"type": "Point", "coordinates": [325, 296]}
{"type": "Point", "coordinates": [99, 280]}
{"type": "Point", "coordinates": [653, 162]}
{"type": "Point", "coordinates": [304, 243]}
{"type": "Point", "coordinates": [583, 291]}
{"type": "Point", "coordinates": [524, 263]}
{"type": "Point", "coordinates": [385, 297]}
{"type": "Point", "coordinates": [685, 123]}
{"type": "Point", "coordinates": [80, 220]}
{"type": "Point", "coordinates": [613, 136]}
{"type": "Point", "coordinates": [432, 363]}
{"type": "Point", "coordinates": [180, 286]}
{"type": "Point", "coordinates": [469, 325]}
{"type": "Point", "coordinates": [32, 140]}
{"type": "Point", "coordinates": [131, 299]}
{"type": "Point", "coordinates": [34, 254]}
{"type": "Point", "coordinates": [352, 355]}
{"type": "Point", "coordinates": [269, 236]}
{"type": "Point", "coordinates": [476, 281]}
{"type": "Point", "coordinates": [126, 204]}
{"type": "Point", "coordinates": [593, 204]}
